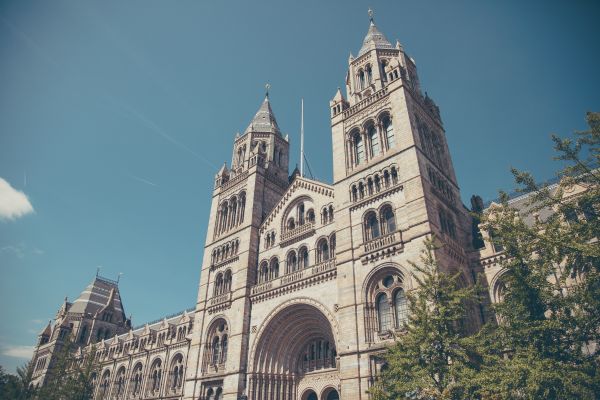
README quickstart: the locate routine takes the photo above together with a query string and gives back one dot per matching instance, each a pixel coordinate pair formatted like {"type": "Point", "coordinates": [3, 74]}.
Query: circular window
{"type": "Point", "coordinates": [388, 281]}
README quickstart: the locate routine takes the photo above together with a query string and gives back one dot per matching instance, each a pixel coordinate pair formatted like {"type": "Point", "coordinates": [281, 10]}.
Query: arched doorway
{"type": "Point", "coordinates": [294, 347]}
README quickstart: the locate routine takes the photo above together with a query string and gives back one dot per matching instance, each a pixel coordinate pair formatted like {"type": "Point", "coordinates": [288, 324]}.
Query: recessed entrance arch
{"type": "Point", "coordinates": [294, 349]}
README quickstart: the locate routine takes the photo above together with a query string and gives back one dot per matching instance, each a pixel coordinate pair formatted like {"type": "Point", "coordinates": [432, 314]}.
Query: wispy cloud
{"type": "Point", "coordinates": [18, 250]}
{"type": "Point", "coordinates": [146, 181]}
{"type": "Point", "coordinates": [16, 351]}
{"type": "Point", "coordinates": [13, 203]}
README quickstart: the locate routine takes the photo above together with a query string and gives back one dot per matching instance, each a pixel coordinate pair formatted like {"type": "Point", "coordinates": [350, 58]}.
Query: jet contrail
{"type": "Point", "coordinates": [137, 178]}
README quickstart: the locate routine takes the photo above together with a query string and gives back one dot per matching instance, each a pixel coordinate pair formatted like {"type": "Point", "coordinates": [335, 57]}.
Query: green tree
{"type": "Point", "coordinates": [544, 344]}
{"type": "Point", "coordinates": [17, 387]}
{"type": "Point", "coordinates": [431, 359]}
{"type": "Point", "coordinates": [70, 376]}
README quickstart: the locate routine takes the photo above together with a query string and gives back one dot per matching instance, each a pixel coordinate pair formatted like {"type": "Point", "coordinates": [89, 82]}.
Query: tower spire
{"type": "Point", "coordinates": [302, 138]}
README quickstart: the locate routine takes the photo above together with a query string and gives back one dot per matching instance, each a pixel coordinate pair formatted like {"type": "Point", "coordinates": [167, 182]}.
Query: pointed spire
{"type": "Point", "coordinates": [264, 120]}
{"type": "Point", "coordinates": [47, 330]}
{"type": "Point", "coordinates": [374, 39]}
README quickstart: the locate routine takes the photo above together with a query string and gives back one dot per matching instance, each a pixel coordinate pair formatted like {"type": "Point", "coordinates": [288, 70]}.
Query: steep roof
{"type": "Point", "coordinates": [97, 295]}
{"type": "Point", "coordinates": [264, 120]}
{"type": "Point", "coordinates": [374, 40]}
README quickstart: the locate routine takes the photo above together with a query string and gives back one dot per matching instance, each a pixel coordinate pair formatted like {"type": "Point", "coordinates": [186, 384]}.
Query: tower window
{"type": "Point", "coordinates": [369, 75]}
{"type": "Point", "coordinates": [359, 149]}
{"type": "Point", "coordinates": [389, 132]}
{"type": "Point", "coordinates": [374, 139]}
{"type": "Point", "coordinates": [361, 79]}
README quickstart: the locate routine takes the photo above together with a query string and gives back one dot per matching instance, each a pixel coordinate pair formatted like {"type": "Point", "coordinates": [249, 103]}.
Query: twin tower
{"type": "Point", "coordinates": [303, 283]}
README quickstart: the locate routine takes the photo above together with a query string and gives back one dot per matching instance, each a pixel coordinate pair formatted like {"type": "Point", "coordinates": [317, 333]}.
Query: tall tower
{"type": "Point", "coordinates": [242, 196]}
{"type": "Point", "coordinates": [394, 186]}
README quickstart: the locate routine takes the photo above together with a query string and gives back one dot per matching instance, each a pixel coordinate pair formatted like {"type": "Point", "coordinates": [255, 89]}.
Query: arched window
{"type": "Point", "coordinates": [374, 140]}
{"type": "Point", "coordinates": [303, 257]}
{"type": "Point", "coordinates": [291, 224]}
{"type": "Point", "coordinates": [104, 385]}
{"type": "Point", "coordinates": [388, 221]}
{"type": "Point", "coordinates": [332, 246]}
{"type": "Point", "coordinates": [384, 314]}
{"type": "Point", "coordinates": [383, 65]}
{"type": "Point", "coordinates": [301, 214]}
{"type": "Point", "coordinates": [359, 149]}
{"type": "Point", "coordinates": [176, 373]}
{"type": "Point", "coordinates": [263, 272]}
{"type": "Point", "coordinates": [83, 334]}
{"type": "Point", "coordinates": [330, 213]}
{"type": "Point", "coordinates": [401, 308]}
{"type": "Point", "coordinates": [99, 335]}
{"type": "Point", "coordinates": [219, 394]}
{"type": "Point", "coordinates": [361, 79]}
{"type": "Point", "coordinates": [242, 205]}
{"type": "Point", "coordinates": [371, 226]}
{"type": "Point", "coordinates": [322, 250]}
{"type": "Point", "coordinates": [227, 281]}
{"type": "Point", "coordinates": [369, 74]}
{"type": "Point", "coordinates": [224, 344]}
{"type": "Point", "coordinates": [310, 216]}
{"type": "Point", "coordinates": [370, 186]}
{"type": "Point", "coordinates": [274, 270]}
{"type": "Point", "coordinates": [119, 386]}
{"type": "Point", "coordinates": [216, 345]}
{"type": "Point", "coordinates": [377, 183]}
{"type": "Point", "coordinates": [210, 394]}
{"type": "Point", "coordinates": [155, 377]}
{"type": "Point", "coordinates": [136, 380]}
{"type": "Point", "coordinates": [292, 262]}
{"type": "Point", "coordinates": [394, 176]}
{"type": "Point", "coordinates": [361, 190]}
{"type": "Point", "coordinates": [324, 216]}
{"type": "Point", "coordinates": [389, 132]}
{"type": "Point", "coordinates": [354, 193]}
{"type": "Point", "coordinates": [216, 350]}
{"type": "Point", "coordinates": [386, 178]}
{"type": "Point", "coordinates": [218, 284]}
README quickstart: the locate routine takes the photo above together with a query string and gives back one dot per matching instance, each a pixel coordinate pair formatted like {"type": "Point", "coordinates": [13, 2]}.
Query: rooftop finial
{"type": "Point", "coordinates": [267, 87]}
{"type": "Point", "coordinates": [370, 15]}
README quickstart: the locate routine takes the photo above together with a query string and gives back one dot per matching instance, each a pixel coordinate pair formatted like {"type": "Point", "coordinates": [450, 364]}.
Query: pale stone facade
{"type": "Point", "coordinates": [303, 283]}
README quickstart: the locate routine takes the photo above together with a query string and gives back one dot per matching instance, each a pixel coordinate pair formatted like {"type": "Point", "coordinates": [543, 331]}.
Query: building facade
{"type": "Point", "coordinates": [303, 283]}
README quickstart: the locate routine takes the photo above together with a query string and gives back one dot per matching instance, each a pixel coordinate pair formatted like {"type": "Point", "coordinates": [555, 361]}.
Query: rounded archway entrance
{"type": "Point", "coordinates": [294, 351]}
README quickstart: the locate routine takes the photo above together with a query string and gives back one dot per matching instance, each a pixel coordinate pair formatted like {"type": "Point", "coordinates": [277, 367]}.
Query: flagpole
{"type": "Point", "coordinates": [302, 139]}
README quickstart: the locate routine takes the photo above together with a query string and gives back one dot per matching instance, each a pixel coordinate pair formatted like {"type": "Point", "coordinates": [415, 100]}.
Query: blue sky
{"type": "Point", "coordinates": [114, 117]}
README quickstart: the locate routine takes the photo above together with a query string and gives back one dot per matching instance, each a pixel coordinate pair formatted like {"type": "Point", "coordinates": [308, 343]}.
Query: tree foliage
{"type": "Point", "coordinates": [70, 377]}
{"type": "Point", "coordinates": [544, 345]}
{"type": "Point", "coordinates": [428, 359]}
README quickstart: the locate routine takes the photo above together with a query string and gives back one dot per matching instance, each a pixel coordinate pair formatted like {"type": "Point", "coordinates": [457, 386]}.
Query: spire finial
{"type": "Point", "coordinates": [370, 15]}
{"type": "Point", "coordinates": [267, 87]}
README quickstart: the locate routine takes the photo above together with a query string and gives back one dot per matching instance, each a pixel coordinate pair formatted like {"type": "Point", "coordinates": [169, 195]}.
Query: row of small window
{"type": "Point", "coordinates": [374, 184]}
{"type": "Point", "coordinates": [365, 75]}
{"type": "Point", "coordinates": [432, 144]}
{"type": "Point", "coordinates": [447, 224]}
{"type": "Point", "coordinates": [441, 184]}
{"type": "Point", "coordinates": [222, 283]}
{"type": "Point", "coordinates": [225, 251]}
{"type": "Point", "coordinates": [379, 223]}
{"type": "Point", "coordinates": [230, 213]}
{"type": "Point", "coordinates": [296, 260]}
{"type": "Point", "coordinates": [153, 382]}
{"type": "Point", "coordinates": [367, 143]}
{"type": "Point", "coordinates": [318, 354]}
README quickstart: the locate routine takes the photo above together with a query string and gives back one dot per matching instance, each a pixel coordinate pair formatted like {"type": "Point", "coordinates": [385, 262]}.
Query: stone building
{"type": "Point", "coordinates": [303, 283]}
